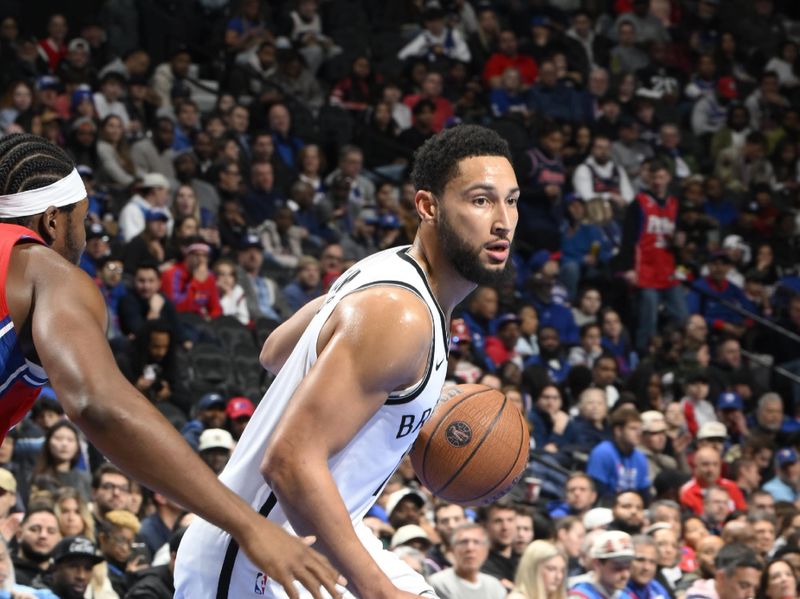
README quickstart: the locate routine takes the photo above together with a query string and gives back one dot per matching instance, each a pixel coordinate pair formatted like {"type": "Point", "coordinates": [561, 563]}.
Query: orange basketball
{"type": "Point", "coordinates": [473, 448]}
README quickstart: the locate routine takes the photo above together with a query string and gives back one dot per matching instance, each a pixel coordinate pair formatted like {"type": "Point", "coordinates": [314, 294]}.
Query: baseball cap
{"type": "Point", "coordinates": [395, 498]}
{"type": "Point", "coordinates": [540, 21]}
{"type": "Point", "coordinates": [211, 400]}
{"type": "Point", "coordinates": [785, 456]}
{"type": "Point", "coordinates": [79, 44]}
{"type": "Point", "coordinates": [76, 547]}
{"type": "Point", "coordinates": [712, 430]}
{"type": "Point", "coordinates": [612, 544]}
{"type": "Point", "coordinates": [250, 241]}
{"type": "Point", "coordinates": [81, 93]}
{"type": "Point", "coordinates": [85, 170]}
{"type": "Point", "coordinates": [407, 533]}
{"type": "Point", "coordinates": [506, 318]}
{"type": "Point", "coordinates": [730, 400]}
{"type": "Point", "coordinates": [721, 256]}
{"type": "Point", "coordinates": [369, 215]}
{"type": "Point", "coordinates": [48, 82]}
{"type": "Point", "coordinates": [150, 180]}
{"type": "Point", "coordinates": [726, 87]}
{"type": "Point", "coordinates": [388, 221]}
{"type": "Point", "coordinates": [653, 422]}
{"type": "Point", "coordinates": [96, 231]}
{"type": "Point", "coordinates": [238, 407]}
{"type": "Point", "coordinates": [597, 517]}
{"type": "Point", "coordinates": [215, 438]}
{"type": "Point", "coordinates": [7, 481]}
{"type": "Point", "coordinates": [156, 214]}
{"type": "Point", "coordinates": [541, 258]}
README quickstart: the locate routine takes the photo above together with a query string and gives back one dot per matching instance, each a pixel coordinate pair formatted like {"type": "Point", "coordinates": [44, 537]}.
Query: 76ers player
{"type": "Point", "coordinates": [359, 371]}
{"type": "Point", "coordinates": [53, 319]}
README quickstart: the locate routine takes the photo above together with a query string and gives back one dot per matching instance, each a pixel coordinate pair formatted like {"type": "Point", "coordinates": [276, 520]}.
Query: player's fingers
{"type": "Point", "coordinates": [312, 583]}
{"type": "Point", "coordinates": [309, 540]}
{"type": "Point", "coordinates": [287, 582]}
{"type": "Point", "coordinates": [327, 576]}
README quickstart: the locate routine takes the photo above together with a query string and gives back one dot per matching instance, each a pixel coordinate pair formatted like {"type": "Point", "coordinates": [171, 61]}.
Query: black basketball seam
{"type": "Point", "coordinates": [226, 572]}
{"type": "Point", "coordinates": [513, 465]}
{"type": "Point", "coordinates": [477, 447]}
{"type": "Point", "coordinates": [436, 430]}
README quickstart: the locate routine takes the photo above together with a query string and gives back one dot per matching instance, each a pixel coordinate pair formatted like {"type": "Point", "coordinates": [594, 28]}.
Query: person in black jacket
{"type": "Point", "coordinates": [157, 582]}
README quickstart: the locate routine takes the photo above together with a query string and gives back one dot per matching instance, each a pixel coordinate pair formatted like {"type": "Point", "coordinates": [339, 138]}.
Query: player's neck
{"type": "Point", "coordinates": [449, 288]}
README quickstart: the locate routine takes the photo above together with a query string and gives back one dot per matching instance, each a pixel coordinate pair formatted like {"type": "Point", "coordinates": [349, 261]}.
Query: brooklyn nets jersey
{"type": "Point", "coordinates": [209, 561]}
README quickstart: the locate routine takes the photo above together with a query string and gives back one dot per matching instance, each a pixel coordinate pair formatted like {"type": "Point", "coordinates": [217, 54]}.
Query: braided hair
{"type": "Point", "coordinates": [30, 162]}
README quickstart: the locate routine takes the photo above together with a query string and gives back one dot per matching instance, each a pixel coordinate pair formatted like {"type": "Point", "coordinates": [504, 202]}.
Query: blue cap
{"type": "Point", "coordinates": [156, 214]}
{"type": "Point", "coordinates": [48, 82]}
{"type": "Point", "coordinates": [540, 21]}
{"type": "Point", "coordinates": [505, 319]}
{"type": "Point", "coordinates": [83, 92]}
{"type": "Point", "coordinates": [785, 456]}
{"type": "Point", "coordinates": [251, 240]}
{"type": "Point", "coordinates": [541, 257]}
{"type": "Point", "coordinates": [210, 400]}
{"type": "Point", "coordinates": [730, 401]}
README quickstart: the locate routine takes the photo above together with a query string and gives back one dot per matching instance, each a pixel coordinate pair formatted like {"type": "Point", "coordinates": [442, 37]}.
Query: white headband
{"type": "Point", "coordinates": [63, 192]}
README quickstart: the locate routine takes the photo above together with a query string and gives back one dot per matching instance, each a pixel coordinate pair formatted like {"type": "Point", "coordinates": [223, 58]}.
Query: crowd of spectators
{"type": "Point", "coordinates": [240, 154]}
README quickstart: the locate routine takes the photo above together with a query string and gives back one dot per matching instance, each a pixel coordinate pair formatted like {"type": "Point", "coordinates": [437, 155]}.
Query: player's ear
{"type": "Point", "coordinates": [48, 224]}
{"type": "Point", "coordinates": [427, 205]}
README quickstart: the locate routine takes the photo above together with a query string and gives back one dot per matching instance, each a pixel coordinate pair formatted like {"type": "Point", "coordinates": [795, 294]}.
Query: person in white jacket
{"type": "Point", "coordinates": [599, 177]}
{"type": "Point", "coordinates": [436, 40]}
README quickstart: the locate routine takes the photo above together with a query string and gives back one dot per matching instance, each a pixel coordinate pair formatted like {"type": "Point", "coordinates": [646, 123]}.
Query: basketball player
{"type": "Point", "coordinates": [52, 325]}
{"type": "Point", "coordinates": [358, 372]}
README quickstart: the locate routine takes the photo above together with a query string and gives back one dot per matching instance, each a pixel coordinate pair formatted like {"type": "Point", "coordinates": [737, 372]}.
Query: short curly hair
{"type": "Point", "coordinates": [436, 161]}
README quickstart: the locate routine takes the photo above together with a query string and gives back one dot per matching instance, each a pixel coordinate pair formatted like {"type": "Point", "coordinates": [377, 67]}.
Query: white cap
{"type": "Point", "coordinates": [653, 422]}
{"type": "Point", "coordinates": [215, 438]}
{"type": "Point", "coordinates": [407, 533]}
{"type": "Point", "coordinates": [397, 496]}
{"type": "Point", "coordinates": [597, 518]}
{"type": "Point", "coordinates": [612, 544]}
{"type": "Point", "coordinates": [151, 180]}
{"type": "Point", "coordinates": [712, 430]}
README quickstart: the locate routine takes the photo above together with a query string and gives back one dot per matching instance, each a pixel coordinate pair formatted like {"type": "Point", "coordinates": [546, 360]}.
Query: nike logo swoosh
{"type": "Point", "coordinates": [440, 363]}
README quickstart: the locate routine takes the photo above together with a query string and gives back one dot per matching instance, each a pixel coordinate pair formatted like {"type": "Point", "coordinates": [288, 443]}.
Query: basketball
{"type": "Point", "coordinates": [473, 448]}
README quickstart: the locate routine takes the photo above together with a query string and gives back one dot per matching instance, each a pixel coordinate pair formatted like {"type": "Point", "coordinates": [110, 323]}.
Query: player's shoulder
{"type": "Point", "coordinates": [43, 264]}
{"type": "Point", "coordinates": [398, 305]}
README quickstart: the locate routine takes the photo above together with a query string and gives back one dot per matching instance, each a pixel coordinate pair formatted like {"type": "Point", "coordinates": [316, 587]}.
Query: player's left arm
{"type": "Point", "coordinates": [282, 340]}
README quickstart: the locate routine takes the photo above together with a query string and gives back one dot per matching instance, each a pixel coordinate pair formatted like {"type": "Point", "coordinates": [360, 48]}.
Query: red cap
{"type": "Point", "coordinates": [726, 87]}
{"type": "Point", "coordinates": [459, 330]}
{"type": "Point", "coordinates": [238, 407]}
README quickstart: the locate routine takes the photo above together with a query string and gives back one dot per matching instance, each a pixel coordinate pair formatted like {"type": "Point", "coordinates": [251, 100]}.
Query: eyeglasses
{"type": "Point", "coordinates": [113, 487]}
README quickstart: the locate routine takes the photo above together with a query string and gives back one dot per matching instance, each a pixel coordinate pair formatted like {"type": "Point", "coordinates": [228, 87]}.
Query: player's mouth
{"type": "Point", "coordinates": [498, 250]}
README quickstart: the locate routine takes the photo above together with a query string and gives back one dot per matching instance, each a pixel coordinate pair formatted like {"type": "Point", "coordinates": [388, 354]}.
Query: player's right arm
{"type": "Point", "coordinates": [376, 341]}
{"type": "Point", "coordinates": [67, 321]}
{"type": "Point", "coordinates": [282, 340]}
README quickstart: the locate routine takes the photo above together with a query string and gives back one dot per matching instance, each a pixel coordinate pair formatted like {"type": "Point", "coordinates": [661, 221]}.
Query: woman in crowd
{"type": "Point", "coordinates": [59, 458]}
{"type": "Point", "coordinates": [231, 294]}
{"type": "Point", "coordinates": [74, 516]}
{"type": "Point", "coordinates": [17, 105]}
{"type": "Point", "coordinates": [541, 573]}
{"type": "Point", "coordinates": [777, 581]}
{"type": "Point", "coordinates": [116, 165]}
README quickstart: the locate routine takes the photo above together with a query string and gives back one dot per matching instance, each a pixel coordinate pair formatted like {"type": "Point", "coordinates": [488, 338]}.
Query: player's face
{"type": "Point", "coordinates": [477, 217]}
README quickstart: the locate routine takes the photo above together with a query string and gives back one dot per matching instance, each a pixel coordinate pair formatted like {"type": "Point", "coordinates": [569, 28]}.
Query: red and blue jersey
{"type": "Point", "coordinates": [655, 263]}
{"type": "Point", "coordinates": [20, 379]}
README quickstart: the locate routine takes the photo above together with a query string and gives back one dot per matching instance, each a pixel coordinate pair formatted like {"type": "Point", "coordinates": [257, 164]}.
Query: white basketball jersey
{"type": "Point", "coordinates": [360, 469]}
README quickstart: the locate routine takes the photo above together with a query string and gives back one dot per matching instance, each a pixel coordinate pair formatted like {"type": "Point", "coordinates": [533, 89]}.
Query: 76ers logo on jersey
{"type": "Point", "coordinates": [458, 434]}
{"type": "Point", "coordinates": [261, 584]}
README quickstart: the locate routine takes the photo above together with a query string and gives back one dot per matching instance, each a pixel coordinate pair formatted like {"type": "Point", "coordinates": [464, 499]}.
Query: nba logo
{"type": "Point", "coordinates": [261, 584]}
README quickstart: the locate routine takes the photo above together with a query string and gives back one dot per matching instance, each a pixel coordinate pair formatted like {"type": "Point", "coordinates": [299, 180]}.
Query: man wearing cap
{"type": "Point", "coordinates": [411, 535]}
{"type": "Point", "coordinates": [707, 472]}
{"type": "Point", "coordinates": [73, 561]}
{"type": "Point", "coordinates": [501, 347]}
{"type": "Point", "coordinates": [404, 506]}
{"type": "Point", "coordinates": [654, 440]}
{"type": "Point", "coordinates": [209, 413]}
{"type": "Point", "coordinates": [151, 244]}
{"type": "Point", "coordinates": [190, 284]}
{"type": "Point", "coordinates": [611, 555]}
{"type": "Point", "coordinates": [730, 411]}
{"type": "Point", "coordinates": [153, 193]}
{"type": "Point", "coordinates": [264, 298]}
{"type": "Point", "coordinates": [785, 486]}
{"type": "Point", "coordinates": [711, 295]}
{"type": "Point", "coordinates": [239, 412]}
{"type": "Point", "coordinates": [215, 447]}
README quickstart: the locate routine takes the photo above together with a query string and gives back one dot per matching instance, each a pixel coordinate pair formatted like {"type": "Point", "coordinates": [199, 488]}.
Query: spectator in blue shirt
{"type": "Point", "coordinates": [306, 284]}
{"type": "Point", "coordinates": [617, 465]}
{"type": "Point", "coordinates": [709, 292]}
{"type": "Point", "coordinates": [786, 484]}
{"type": "Point", "coordinates": [584, 248]}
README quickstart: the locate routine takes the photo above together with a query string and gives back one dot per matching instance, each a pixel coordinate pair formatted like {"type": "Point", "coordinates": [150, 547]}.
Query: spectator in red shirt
{"type": "Point", "coordinates": [432, 90]}
{"type": "Point", "coordinates": [500, 347]}
{"type": "Point", "coordinates": [508, 56]}
{"type": "Point", "coordinates": [54, 46]}
{"type": "Point", "coordinates": [708, 473]}
{"type": "Point", "coordinates": [190, 284]}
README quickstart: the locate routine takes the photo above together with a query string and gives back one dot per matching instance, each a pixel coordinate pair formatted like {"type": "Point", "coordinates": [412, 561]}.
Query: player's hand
{"type": "Point", "coordinates": [286, 558]}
